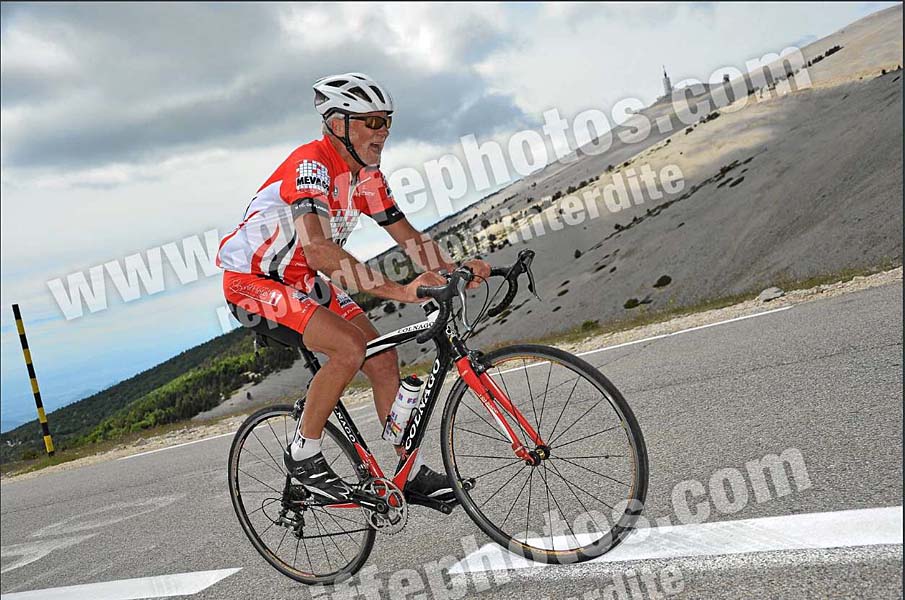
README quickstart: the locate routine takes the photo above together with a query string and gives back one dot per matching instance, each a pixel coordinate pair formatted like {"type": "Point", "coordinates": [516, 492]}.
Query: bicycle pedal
{"type": "Point", "coordinates": [443, 506]}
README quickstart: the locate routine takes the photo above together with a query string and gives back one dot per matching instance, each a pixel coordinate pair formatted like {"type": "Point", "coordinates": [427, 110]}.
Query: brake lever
{"type": "Point", "coordinates": [526, 257]}
{"type": "Point", "coordinates": [461, 284]}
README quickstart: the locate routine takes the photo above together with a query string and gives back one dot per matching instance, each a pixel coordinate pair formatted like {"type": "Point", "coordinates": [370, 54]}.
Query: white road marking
{"type": "Point", "coordinates": [662, 335]}
{"type": "Point", "coordinates": [842, 529]}
{"type": "Point", "coordinates": [163, 586]}
{"type": "Point", "coordinates": [30, 552]}
{"type": "Point", "coordinates": [214, 437]}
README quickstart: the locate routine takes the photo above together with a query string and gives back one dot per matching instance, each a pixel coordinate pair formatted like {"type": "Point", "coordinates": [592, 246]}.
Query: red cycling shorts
{"type": "Point", "coordinates": [288, 305]}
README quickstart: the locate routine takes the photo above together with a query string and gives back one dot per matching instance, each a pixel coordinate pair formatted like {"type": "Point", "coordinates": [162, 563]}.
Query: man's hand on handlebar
{"type": "Point", "coordinates": [481, 271]}
{"type": "Point", "coordinates": [429, 278]}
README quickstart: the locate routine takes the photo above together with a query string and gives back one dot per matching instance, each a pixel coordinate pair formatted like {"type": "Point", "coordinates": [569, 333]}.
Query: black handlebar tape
{"type": "Point", "coordinates": [512, 281]}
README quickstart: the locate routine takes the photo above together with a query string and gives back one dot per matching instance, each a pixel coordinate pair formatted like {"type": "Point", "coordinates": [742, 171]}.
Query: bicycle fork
{"type": "Point", "coordinates": [489, 393]}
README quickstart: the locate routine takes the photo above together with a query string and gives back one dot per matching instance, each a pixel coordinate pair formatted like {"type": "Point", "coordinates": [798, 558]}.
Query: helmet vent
{"type": "Point", "coordinates": [360, 93]}
{"type": "Point", "coordinates": [377, 93]}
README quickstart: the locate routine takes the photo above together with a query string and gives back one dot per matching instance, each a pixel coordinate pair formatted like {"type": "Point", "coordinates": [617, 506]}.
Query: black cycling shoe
{"type": "Point", "coordinates": [429, 484]}
{"type": "Point", "coordinates": [318, 478]}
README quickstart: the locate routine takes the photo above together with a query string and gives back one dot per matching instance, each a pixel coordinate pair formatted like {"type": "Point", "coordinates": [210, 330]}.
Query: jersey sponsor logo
{"type": "Point", "coordinates": [312, 174]}
{"type": "Point", "coordinates": [300, 295]}
{"type": "Point", "coordinates": [257, 292]}
{"type": "Point", "coordinates": [343, 299]}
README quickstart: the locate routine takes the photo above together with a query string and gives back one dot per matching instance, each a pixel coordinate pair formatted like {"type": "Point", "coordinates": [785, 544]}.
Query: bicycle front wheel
{"type": "Point", "coordinates": [577, 503]}
{"type": "Point", "coordinates": [300, 537]}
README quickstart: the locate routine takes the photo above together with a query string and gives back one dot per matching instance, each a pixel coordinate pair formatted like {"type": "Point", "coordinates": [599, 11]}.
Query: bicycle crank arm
{"type": "Point", "coordinates": [443, 506]}
{"type": "Point", "coordinates": [369, 502]}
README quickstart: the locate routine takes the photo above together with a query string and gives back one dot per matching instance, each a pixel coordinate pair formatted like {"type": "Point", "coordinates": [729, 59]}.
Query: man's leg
{"type": "Point", "coordinates": [382, 371]}
{"type": "Point", "coordinates": [344, 345]}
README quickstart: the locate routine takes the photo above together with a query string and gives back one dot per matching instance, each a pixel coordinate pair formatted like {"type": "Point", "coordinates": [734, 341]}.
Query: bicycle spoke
{"type": "Point", "coordinates": [569, 485]}
{"type": "Point", "coordinates": [594, 472]}
{"type": "Point", "coordinates": [549, 510]}
{"type": "Point", "coordinates": [296, 555]}
{"type": "Point", "coordinates": [335, 516]}
{"type": "Point", "coordinates": [273, 432]}
{"type": "Point", "coordinates": [564, 407]}
{"type": "Point", "coordinates": [280, 545]}
{"type": "Point", "coordinates": [587, 436]}
{"type": "Point", "coordinates": [580, 417]}
{"type": "Point", "coordinates": [261, 508]}
{"type": "Point", "coordinates": [562, 512]}
{"type": "Point", "coordinates": [597, 456]}
{"type": "Point", "coordinates": [317, 523]}
{"type": "Point", "coordinates": [343, 554]}
{"type": "Point", "coordinates": [514, 502]}
{"type": "Point", "coordinates": [267, 451]}
{"type": "Point", "coordinates": [307, 554]}
{"type": "Point", "coordinates": [496, 439]}
{"type": "Point", "coordinates": [285, 431]}
{"type": "Point", "coordinates": [543, 403]}
{"type": "Point", "coordinates": [502, 486]}
{"type": "Point", "coordinates": [276, 491]}
{"type": "Point", "coordinates": [530, 395]}
{"type": "Point", "coordinates": [513, 463]}
{"type": "Point", "coordinates": [263, 461]}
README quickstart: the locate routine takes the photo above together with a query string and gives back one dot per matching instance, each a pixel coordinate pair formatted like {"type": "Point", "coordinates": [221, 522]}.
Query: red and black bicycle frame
{"type": "Point", "coordinates": [450, 350]}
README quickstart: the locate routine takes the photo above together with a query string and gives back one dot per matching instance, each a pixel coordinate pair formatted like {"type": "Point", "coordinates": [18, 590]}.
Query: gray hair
{"type": "Point", "coordinates": [326, 127]}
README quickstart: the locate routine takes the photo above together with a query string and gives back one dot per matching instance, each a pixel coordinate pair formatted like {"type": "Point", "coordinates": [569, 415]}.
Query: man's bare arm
{"type": "Point", "coordinates": [427, 253]}
{"type": "Point", "coordinates": [421, 248]}
{"type": "Point", "coordinates": [326, 256]}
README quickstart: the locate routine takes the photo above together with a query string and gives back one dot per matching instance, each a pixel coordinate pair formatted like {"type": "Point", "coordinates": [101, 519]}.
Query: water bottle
{"type": "Point", "coordinates": [401, 411]}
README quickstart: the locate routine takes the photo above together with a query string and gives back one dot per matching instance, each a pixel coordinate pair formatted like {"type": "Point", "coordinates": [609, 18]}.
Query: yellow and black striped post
{"type": "Point", "coordinates": [42, 418]}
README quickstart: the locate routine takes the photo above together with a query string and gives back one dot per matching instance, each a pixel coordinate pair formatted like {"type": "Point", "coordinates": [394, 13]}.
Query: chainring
{"type": "Point", "coordinates": [395, 519]}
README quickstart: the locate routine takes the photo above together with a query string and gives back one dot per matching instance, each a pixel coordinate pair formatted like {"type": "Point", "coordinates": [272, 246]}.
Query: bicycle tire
{"type": "Point", "coordinates": [635, 441]}
{"type": "Point", "coordinates": [333, 434]}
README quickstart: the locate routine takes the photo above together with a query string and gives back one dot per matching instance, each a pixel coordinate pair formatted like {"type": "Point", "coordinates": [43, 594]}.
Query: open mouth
{"type": "Point", "coordinates": [376, 148]}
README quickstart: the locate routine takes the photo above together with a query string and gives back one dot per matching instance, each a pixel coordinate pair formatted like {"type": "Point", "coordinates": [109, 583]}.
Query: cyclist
{"type": "Point", "coordinates": [277, 259]}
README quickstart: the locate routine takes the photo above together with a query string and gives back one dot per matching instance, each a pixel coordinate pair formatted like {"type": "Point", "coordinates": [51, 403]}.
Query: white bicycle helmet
{"type": "Point", "coordinates": [350, 93]}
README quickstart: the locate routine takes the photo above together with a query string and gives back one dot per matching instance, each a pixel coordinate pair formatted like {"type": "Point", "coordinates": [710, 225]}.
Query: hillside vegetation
{"type": "Point", "coordinates": [176, 389]}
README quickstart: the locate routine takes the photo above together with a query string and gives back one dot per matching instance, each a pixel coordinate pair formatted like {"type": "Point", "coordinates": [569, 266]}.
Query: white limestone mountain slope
{"type": "Point", "coordinates": [792, 185]}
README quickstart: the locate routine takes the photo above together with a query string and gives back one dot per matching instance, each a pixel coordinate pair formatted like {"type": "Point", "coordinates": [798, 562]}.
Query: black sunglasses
{"type": "Point", "coordinates": [375, 121]}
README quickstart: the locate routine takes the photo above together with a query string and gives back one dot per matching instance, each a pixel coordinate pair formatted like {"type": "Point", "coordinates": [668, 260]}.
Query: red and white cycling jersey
{"type": "Point", "coordinates": [313, 179]}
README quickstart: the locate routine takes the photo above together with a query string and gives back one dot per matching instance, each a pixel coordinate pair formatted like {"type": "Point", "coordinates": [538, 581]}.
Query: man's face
{"type": "Point", "coordinates": [368, 143]}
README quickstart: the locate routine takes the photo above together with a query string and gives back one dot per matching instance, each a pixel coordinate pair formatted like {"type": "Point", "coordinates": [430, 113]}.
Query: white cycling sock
{"type": "Point", "coordinates": [302, 447]}
{"type": "Point", "coordinates": [416, 466]}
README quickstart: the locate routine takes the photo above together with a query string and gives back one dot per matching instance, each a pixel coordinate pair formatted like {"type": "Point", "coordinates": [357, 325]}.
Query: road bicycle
{"type": "Point", "coordinates": [542, 452]}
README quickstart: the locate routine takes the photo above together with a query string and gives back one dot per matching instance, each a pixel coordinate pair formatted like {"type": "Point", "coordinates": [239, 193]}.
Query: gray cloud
{"type": "Point", "coordinates": [136, 82]}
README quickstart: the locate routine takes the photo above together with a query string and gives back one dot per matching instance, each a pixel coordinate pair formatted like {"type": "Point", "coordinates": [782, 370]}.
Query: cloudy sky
{"type": "Point", "coordinates": [126, 127]}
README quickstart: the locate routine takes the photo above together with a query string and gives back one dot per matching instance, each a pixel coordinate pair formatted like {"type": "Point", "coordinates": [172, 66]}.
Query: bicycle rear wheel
{"type": "Point", "coordinates": [583, 499]}
{"type": "Point", "coordinates": [301, 538]}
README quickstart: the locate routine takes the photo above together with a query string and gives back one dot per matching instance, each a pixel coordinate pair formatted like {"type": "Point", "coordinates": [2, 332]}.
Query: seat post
{"type": "Point", "coordinates": [311, 362]}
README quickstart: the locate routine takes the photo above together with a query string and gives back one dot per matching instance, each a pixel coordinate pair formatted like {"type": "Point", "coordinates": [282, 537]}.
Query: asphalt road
{"type": "Point", "coordinates": [821, 381]}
